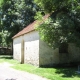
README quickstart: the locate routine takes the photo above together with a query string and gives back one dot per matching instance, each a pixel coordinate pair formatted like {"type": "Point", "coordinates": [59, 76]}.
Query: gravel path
{"type": "Point", "coordinates": [8, 73]}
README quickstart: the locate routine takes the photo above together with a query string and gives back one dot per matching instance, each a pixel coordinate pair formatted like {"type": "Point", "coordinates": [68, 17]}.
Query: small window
{"type": "Point", "coordinates": [63, 48]}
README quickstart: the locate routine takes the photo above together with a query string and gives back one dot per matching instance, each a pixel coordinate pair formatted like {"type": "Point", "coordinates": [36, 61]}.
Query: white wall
{"type": "Point", "coordinates": [31, 48]}
{"type": "Point", "coordinates": [17, 48]}
{"type": "Point", "coordinates": [47, 55]}
{"type": "Point", "coordinates": [38, 53]}
{"type": "Point", "coordinates": [74, 53]}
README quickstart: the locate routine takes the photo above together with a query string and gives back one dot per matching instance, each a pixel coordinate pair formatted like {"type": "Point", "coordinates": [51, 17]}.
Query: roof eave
{"type": "Point", "coordinates": [22, 34]}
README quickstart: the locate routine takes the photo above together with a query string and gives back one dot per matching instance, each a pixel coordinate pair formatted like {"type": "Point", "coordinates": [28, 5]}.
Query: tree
{"type": "Point", "coordinates": [15, 15]}
{"type": "Point", "coordinates": [63, 25]}
{"type": "Point", "coordinates": [3, 37]}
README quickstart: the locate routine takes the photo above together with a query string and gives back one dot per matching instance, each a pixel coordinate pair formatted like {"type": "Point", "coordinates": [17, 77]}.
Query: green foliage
{"type": "Point", "coordinates": [53, 5]}
{"type": "Point", "coordinates": [1, 1]}
{"type": "Point", "coordinates": [3, 38]}
{"type": "Point", "coordinates": [63, 25]}
{"type": "Point", "coordinates": [15, 15]}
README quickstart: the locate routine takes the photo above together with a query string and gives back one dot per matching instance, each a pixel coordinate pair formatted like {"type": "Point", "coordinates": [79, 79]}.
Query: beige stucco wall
{"type": "Point", "coordinates": [31, 48]}
{"type": "Point", "coordinates": [47, 56]}
{"type": "Point", "coordinates": [74, 53]}
{"type": "Point", "coordinates": [38, 53]}
{"type": "Point", "coordinates": [17, 48]}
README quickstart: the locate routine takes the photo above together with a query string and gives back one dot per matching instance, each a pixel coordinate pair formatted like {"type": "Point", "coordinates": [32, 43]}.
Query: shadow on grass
{"type": "Point", "coordinates": [6, 57]}
{"type": "Point", "coordinates": [68, 72]}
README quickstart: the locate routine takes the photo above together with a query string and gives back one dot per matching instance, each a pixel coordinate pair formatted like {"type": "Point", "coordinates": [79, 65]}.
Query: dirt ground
{"type": "Point", "coordinates": [8, 73]}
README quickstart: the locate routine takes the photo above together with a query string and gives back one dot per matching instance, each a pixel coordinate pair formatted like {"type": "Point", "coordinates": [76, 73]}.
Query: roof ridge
{"type": "Point", "coordinates": [30, 27]}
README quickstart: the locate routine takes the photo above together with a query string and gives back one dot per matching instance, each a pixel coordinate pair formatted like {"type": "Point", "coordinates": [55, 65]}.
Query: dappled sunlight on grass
{"type": "Point", "coordinates": [51, 73]}
{"type": "Point", "coordinates": [60, 73]}
{"type": "Point", "coordinates": [7, 58]}
{"type": "Point", "coordinates": [67, 72]}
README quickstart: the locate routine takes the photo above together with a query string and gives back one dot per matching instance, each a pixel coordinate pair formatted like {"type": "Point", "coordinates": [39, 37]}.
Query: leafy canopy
{"type": "Point", "coordinates": [15, 15]}
{"type": "Point", "coordinates": [63, 25]}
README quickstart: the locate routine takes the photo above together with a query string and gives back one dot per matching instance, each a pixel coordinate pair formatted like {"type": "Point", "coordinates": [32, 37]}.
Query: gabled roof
{"type": "Point", "coordinates": [30, 27]}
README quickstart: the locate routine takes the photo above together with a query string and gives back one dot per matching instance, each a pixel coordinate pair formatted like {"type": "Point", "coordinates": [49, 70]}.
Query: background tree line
{"type": "Point", "coordinates": [63, 25]}
{"type": "Point", "coordinates": [14, 16]}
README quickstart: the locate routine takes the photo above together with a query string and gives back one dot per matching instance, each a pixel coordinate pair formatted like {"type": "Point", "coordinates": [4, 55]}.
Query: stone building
{"type": "Point", "coordinates": [29, 48]}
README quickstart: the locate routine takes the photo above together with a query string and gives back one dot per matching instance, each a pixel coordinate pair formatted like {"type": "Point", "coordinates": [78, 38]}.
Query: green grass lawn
{"type": "Point", "coordinates": [68, 73]}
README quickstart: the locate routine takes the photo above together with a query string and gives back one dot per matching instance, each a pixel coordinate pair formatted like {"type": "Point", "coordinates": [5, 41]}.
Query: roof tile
{"type": "Point", "coordinates": [30, 27]}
